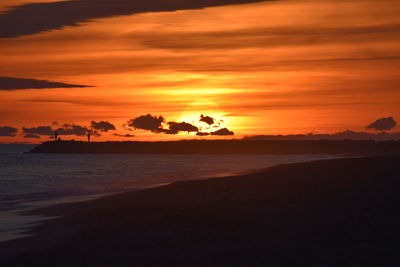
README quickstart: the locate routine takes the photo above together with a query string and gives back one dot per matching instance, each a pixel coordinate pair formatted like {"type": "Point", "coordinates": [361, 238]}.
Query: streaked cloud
{"type": "Point", "coordinates": [39, 17]}
{"type": "Point", "coordinates": [7, 83]}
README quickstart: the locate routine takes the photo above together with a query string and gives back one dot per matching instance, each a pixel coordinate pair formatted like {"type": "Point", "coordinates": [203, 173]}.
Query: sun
{"type": "Point", "coordinates": [194, 110]}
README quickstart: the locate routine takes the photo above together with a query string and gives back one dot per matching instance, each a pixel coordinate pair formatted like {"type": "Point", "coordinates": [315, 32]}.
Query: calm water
{"type": "Point", "coordinates": [28, 177]}
{"type": "Point", "coordinates": [32, 180]}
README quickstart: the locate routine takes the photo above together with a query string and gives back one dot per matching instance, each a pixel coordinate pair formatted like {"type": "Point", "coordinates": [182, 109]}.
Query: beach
{"type": "Point", "coordinates": [31, 181]}
{"type": "Point", "coordinates": [340, 212]}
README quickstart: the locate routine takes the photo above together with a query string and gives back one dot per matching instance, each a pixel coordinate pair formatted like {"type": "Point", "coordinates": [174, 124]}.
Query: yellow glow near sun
{"type": "Point", "coordinates": [196, 91]}
{"type": "Point", "coordinates": [194, 110]}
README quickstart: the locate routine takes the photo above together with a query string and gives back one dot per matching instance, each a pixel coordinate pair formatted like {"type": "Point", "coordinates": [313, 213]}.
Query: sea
{"type": "Point", "coordinates": [29, 181]}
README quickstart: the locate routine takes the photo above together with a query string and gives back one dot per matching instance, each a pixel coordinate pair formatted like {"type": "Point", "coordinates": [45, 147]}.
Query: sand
{"type": "Point", "coordinates": [341, 212]}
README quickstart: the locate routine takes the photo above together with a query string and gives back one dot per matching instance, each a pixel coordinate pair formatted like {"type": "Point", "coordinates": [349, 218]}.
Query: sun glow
{"type": "Point", "coordinates": [307, 67]}
{"type": "Point", "coordinates": [192, 114]}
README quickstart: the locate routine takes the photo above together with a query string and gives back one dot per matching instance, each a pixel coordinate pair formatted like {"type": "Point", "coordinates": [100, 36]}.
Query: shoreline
{"type": "Point", "coordinates": [17, 220]}
{"type": "Point", "coordinates": [30, 200]}
{"type": "Point", "coordinates": [332, 210]}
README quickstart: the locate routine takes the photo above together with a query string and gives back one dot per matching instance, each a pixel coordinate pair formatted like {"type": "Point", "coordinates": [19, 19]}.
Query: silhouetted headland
{"type": "Point", "coordinates": [346, 147]}
{"type": "Point", "coordinates": [342, 212]}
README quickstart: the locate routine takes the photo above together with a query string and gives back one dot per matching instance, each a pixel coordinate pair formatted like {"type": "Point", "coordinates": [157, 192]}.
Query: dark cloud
{"type": "Point", "coordinates": [147, 122]}
{"type": "Point", "coordinates": [102, 126]}
{"type": "Point", "coordinates": [7, 83]}
{"type": "Point", "coordinates": [93, 132]}
{"type": "Point", "coordinates": [349, 135]}
{"type": "Point", "coordinates": [40, 130]}
{"type": "Point", "coordinates": [223, 131]}
{"type": "Point", "coordinates": [202, 134]}
{"type": "Point", "coordinates": [156, 125]}
{"type": "Point", "coordinates": [31, 136]}
{"type": "Point", "coordinates": [124, 135]}
{"type": "Point", "coordinates": [207, 119]}
{"type": "Point", "coordinates": [383, 124]}
{"type": "Point", "coordinates": [72, 129]}
{"type": "Point", "coordinates": [66, 129]}
{"type": "Point", "coordinates": [39, 17]}
{"type": "Point", "coordinates": [8, 131]}
{"type": "Point", "coordinates": [176, 127]}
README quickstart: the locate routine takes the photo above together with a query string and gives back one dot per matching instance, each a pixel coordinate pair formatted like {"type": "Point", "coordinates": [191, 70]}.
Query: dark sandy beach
{"type": "Point", "coordinates": [342, 212]}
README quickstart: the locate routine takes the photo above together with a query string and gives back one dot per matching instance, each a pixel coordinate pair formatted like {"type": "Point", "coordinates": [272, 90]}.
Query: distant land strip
{"type": "Point", "coordinates": [343, 147]}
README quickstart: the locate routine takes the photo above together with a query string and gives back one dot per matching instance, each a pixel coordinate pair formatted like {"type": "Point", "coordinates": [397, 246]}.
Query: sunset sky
{"type": "Point", "coordinates": [256, 67]}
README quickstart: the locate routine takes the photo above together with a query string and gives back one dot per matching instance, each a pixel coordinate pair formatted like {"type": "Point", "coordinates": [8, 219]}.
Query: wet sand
{"type": "Point", "coordinates": [341, 212]}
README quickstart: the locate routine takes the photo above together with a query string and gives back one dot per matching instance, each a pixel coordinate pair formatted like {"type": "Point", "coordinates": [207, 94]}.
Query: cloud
{"type": "Point", "coordinates": [72, 129]}
{"type": "Point", "coordinates": [155, 124]}
{"type": "Point", "coordinates": [266, 36]}
{"type": "Point", "coordinates": [383, 124]}
{"type": "Point", "coordinates": [8, 131]}
{"type": "Point", "coordinates": [223, 131]}
{"type": "Point", "coordinates": [207, 119]}
{"type": "Point", "coordinates": [66, 129]}
{"type": "Point", "coordinates": [31, 136]}
{"type": "Point", "coordinates": [147, 122]}
{"type": "Point", "coordinates": [40, 130]}
{"type": "Point", "coordinates": [124, 135]}
{"type": "Point", "coordinates": [176, 127]}
{"type": "Point", "coordinates": [38, 17]}
{"type": "Point", "coordinates": [202, 134]}
{"type": "Point", "coordinates": [7, 83]}
{"type": "Point", "coordinates": [158, 125]}
{"type": "Point", "coordinates": [102, 126]}
{"type": "Point", "coordinates": [349, 135]}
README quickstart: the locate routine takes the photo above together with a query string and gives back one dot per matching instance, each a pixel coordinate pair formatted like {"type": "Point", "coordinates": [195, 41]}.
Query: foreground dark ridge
{"type": "Point", "coordinates": [325, 213]}
{"type": "Point", "coordinates": [224, 147]}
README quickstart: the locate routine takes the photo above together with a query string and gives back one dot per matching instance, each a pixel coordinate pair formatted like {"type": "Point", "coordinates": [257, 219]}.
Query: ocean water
{"type": "Point", "coordinates": [32, 180]}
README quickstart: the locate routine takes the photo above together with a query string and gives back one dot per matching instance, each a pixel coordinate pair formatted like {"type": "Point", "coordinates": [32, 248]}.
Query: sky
{"type": "Point", "coordinates": [254, 67]}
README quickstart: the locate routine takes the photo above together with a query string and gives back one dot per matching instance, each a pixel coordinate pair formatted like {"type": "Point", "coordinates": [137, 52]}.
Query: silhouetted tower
{"type": "Point", "coordinates": [88, 137]}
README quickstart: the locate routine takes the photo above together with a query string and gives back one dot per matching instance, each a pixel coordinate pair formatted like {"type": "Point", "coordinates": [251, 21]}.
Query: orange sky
{"type": "Point", "coordinates": [281, 67]}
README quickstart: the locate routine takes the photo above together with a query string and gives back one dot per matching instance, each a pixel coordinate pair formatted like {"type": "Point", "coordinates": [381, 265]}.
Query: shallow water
{"type": "Point", "coordinates": [32, 180]}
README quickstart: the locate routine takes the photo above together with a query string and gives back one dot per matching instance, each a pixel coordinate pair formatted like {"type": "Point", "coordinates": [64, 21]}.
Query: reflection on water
{"type": "Point", "coordinates": [34, 180]}
{"type": "Point", "coordinates": [27, 177]}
